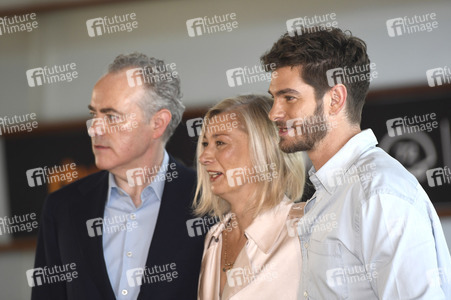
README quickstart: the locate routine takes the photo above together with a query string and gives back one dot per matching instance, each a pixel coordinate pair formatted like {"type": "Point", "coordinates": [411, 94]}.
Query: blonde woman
{"type": "Point", "coordinates": [246, 181]}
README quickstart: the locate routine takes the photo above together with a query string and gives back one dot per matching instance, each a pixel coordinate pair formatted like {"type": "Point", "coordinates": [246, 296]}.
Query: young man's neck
{"type": "Point", "coordinates": [331, 144]}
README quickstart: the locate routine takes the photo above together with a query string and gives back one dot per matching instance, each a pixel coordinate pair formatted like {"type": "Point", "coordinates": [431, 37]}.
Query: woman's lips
{"type": "Point", "coordinates": [214, 175]}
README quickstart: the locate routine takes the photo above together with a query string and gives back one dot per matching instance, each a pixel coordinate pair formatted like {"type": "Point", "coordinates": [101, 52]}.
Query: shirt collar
{"type": "Point", "coordinates": [266, 227]}
{"type": "Point", "coordinates": [156, 185]}
{"type": "Point", "coordinates": [342, 160]}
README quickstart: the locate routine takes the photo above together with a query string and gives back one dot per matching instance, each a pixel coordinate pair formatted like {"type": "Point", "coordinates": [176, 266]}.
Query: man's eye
{"type": "Point", "coordinates": [204, 144]}
{"type": "Point", "coordinates": [289, 98]}
{"type": "Point", "coordinates": [219, 143]}
{"type": "Point", "coordinates": [113, 118]}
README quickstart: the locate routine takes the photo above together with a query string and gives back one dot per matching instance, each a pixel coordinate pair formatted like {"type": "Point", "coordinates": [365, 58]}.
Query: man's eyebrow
{"type": "Point", "coordinates": [286, 91]}
{"type": "Point", "coordinates": [104, 110]}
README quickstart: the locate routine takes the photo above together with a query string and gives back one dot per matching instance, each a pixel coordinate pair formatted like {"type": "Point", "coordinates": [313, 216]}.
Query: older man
{"type": "Point", "coordinates": [123, 231]}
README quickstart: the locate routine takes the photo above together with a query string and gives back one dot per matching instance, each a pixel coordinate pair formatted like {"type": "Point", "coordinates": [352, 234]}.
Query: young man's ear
{"type": "Point", "coordinates": [338, 96]}
{"type": "Point", "coordinates": [160, 121]}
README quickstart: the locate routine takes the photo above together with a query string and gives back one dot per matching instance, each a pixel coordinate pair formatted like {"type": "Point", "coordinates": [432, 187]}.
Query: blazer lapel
{"type": "Point", "coordinates": [91, 206]}
{"type": "Point", "coordinates": [164, 241]}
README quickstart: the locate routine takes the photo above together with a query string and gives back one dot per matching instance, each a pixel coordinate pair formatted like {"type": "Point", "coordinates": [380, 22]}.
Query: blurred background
{"type": "Point", "coordinates": [47, 33]}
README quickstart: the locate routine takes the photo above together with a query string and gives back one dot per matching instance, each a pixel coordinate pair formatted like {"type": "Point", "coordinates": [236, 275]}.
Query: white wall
{"type": "Point", "coordinates": [201, 61]}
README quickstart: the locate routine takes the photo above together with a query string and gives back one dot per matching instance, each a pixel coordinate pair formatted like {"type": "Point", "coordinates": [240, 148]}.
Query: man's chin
{"type": "Point", "coordinates": [102, 165]}
{"type": "Point", "coordinates": [290, 147]}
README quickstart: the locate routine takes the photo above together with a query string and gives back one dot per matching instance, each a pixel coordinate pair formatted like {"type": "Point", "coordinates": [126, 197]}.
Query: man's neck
{"type": "Point", "coordinates": [331, 144]}
{"type": "Point", "coordinates": [153, 164]}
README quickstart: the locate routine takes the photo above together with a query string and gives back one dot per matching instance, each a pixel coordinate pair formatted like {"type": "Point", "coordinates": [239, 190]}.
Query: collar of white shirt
{"type": "Point", "coordinates": [156, 185]}
{"type": "Point", "coordinates": [344, 159]}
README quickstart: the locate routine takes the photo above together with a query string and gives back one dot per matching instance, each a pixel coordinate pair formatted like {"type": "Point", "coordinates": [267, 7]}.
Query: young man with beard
{"type": "Point", "coordinates": [369, 231]}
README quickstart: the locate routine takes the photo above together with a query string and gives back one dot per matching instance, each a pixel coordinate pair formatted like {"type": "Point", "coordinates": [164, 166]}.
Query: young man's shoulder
{"type": "Point", "coordinates": [382, 174]}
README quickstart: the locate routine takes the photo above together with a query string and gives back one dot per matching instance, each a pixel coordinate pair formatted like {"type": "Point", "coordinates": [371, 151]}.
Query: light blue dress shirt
{"type": "Point", "coordinates": [370, 231]}
{"type": "Point", "coordinates": [128, 232]}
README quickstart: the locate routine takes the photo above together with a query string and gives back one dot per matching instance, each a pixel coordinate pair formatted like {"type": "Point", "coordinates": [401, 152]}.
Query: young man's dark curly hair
{"type": "Point", "coordinates": [316, 51]}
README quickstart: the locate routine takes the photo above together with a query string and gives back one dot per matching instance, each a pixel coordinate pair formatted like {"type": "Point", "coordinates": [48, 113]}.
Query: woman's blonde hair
{"type": "Point", "coordinates": [252, 112]}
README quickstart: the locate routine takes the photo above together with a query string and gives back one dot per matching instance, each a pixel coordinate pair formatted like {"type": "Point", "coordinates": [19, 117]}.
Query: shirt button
{"type": "Point", "coordinates": [305, 294]}
{"type": "Point", "coordinates": [306, 245]}
{"type": "Point", "coordinates": [124, 292]}
{"type": "Point", "coordinates": [129, 254]}
{"type": "Point", "coordinates": [132, 216]}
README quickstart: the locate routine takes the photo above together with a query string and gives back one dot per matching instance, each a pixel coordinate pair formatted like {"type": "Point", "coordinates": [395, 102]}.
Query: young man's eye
{"type": "Point", "coordinates": [289, 98]}
{"type": "Point", "coordinates": [204, 144]}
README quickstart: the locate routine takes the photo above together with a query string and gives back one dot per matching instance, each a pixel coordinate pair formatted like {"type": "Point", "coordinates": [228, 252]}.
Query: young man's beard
{"type": "Point", "coordinates": [310, 136]}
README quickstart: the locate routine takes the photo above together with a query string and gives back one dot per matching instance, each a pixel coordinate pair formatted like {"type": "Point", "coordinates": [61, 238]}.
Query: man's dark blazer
{"type": "Point", "coordinates": [63, 239]}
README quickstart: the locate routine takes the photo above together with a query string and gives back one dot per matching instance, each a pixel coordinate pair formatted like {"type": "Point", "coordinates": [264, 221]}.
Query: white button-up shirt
{"type": "Point", "coordinates": [370, 230]}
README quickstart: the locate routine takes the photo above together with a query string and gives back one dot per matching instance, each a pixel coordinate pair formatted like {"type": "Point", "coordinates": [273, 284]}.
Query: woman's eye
{"type": "Point", "coordinates": [204, 144]}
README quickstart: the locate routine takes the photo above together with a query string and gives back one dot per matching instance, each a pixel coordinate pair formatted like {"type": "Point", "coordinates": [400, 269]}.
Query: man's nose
{"type": "Point", "coordinates": [276, 113]}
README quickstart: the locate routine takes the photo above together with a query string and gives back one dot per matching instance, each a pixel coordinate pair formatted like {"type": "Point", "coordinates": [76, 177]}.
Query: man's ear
{"type": "Point", "coordinates": [338, 97]}
{"type": "Point", "coordinates": [160, 122]}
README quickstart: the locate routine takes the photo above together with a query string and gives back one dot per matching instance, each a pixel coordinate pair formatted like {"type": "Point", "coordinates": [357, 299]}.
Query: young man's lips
{"type": "Point", "coordinates": [100, 147]}
{"type": "Point", "coordinates": [283, 131]}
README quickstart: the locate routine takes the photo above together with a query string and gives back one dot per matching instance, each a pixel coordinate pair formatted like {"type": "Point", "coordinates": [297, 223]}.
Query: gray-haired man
{"type": "Point", "coordinates": [124, 230]}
